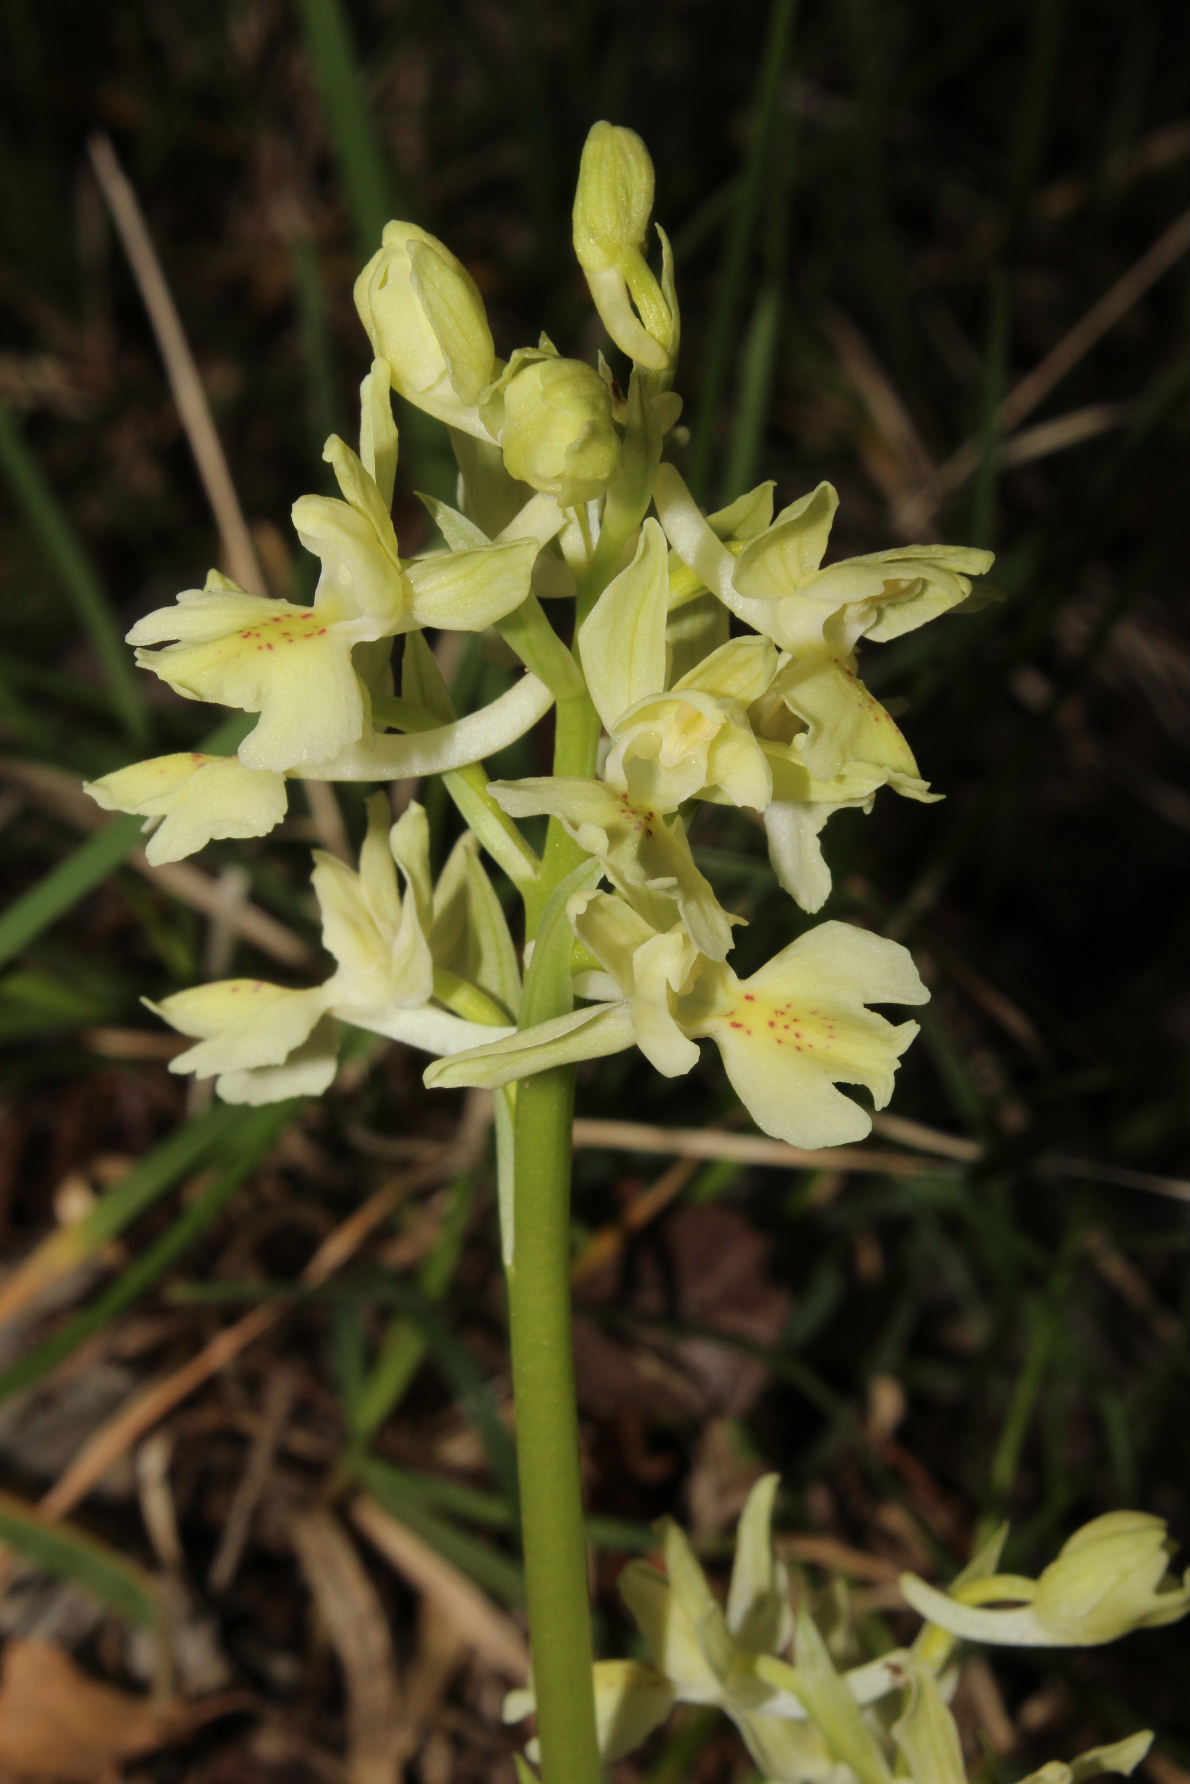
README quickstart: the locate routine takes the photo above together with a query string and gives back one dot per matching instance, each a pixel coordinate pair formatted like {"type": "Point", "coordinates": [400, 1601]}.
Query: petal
{"type": "Point", "coordinates": [758, 1610]}
{"type": "Point", "coordinates": [202, 614]}
{"type": "Point", "coordinates": [470, 934]}
{"type": "Point", "coordinates": [622, 640]}
{"type": "Point", "coordinates": [429, 1029]}
{"type": "Point", "coordinates": [884, 594]}
{"type": "Point", "coordinates": [793, 828]}
{"type": "Point", "coordinates": [739, 670]}
{"type": "Point", "coordinates": [240, 1024]}
{"type": "Point", "coordinates": [377, 939]}
{"type": "Point", "coordinates": [639, 850]}
{"type": "Point", "coordinates": [378, 430]}
{"type": "Point", "coordinates": [309, 1070]}
{"type": "Point", "coordinates": [926, 1734]}
{"type": "Point", "coordinates": [588, 807]}
{"type": "Point", "coordinates": [795, 1100]}
{"type": "Point", "coordinates": [408, 843]}
{"type": "Point", "coordinates": [289, 664]}
{"type": "Point", "coordinates": [847, 725]}
{"type": "Point", "coordinates": [469, 590]}
{"type": "Point", "coordinates": [786, 1752]}
{"type": "Point", "coordinates": [657, 965]}
{"type": "Point", "coordinates": [670, 1616]}
{"type": "Point", "coordinates": [612, 931]}
{"type": "Point", "coordinates": [788, 554]}
{"type": "Point", "coordinates": [631, 1700]}
{"type": "Point", "coordinates": [747, 516]}
{"type": "Point", "coordinates": [831, 1705]}
{"type": "Point", "coordinates": [669, 748]}
{"type": "Point", "coordinates": [853, 962]}
{"type": "Point", "coordinates": [198, 798]}
{"type": "Point", "coordinates": [799, 1025]}
{"type": "Point", "coordinates": [364, 578]}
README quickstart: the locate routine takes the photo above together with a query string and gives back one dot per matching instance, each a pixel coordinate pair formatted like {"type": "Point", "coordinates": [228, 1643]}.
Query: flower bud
{"type": "Point", "coordinates": [425, 316]}
{"type": "Point", "coordinates": [556, 427]}
{"type": "Point", "coordinates": [1106, 1580]}
{"type": "Point", "coordinates": [614, 198]}
{"type": "Point", "coordinates": [612, 205]}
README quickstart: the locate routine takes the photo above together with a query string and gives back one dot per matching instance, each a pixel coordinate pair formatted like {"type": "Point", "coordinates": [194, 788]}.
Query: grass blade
{"type": "Point", "coordinates": [62, 888]}
{"type": "Point", "coordinates": [49, 521]}
{"type": "Point", "coordinates": [145, 1184]}
{"type": "Point", "coordinates": [370, 180]}
{"type": "Point", "coordinates": [252, 1137]}
{"type": "Point", "coordinates": [71, 1554]}
{"type": "Point", "coordinates": [725, 315]}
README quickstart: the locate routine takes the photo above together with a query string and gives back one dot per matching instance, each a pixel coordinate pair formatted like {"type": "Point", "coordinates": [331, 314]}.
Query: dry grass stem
{"type": "Point", "coordinates": [355, 1621]}
{"type": "Point", "coordinates": [239, 553]}
{"type": "Point", "coordinates": [492, 1635]}
{"type": "Point", "coordinates": [919, 508]}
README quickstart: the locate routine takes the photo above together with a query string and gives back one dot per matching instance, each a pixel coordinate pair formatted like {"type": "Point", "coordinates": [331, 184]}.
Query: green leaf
{"type": "Point", "coordinates": [59, 541]}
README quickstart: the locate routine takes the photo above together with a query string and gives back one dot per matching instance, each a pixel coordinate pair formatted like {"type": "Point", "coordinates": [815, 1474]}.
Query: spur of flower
{"type": "Point", "coordinates": [263, 1042]}
{"type": "Point", "coordinates": [1110, 1577]}
{"type": "Point", "coordinates": [788, 1035]}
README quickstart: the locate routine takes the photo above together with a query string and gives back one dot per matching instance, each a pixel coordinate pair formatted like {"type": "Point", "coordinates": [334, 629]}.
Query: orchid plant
{"type": "Point", "coordinates": [683, 658]}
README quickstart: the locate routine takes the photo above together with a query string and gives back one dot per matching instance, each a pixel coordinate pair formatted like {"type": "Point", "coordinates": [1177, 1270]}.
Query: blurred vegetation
{"type": "Point", "coordinates": [930, 253]}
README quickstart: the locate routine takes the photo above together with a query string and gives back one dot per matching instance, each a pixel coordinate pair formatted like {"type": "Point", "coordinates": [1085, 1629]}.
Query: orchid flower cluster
{"type": "Point", "coordinates": [684, 659]}
{"type": "Point", "coordinates": [718, 651]}
{"type": "Point", "coordinates": [832, 1718]}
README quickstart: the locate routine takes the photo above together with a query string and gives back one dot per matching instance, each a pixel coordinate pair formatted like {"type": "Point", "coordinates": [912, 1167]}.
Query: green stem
{"type": "Point", "coordinates": [547, 1432]}
{"type": "Point", "coordinates": [538, 1271]}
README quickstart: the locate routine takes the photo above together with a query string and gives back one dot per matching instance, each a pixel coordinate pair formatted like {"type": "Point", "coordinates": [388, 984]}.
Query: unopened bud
{"type": "Point", "coordinates": [556, 429]}
{"type": "Point", "coordinates": [612, 206]}
{"type": "Point", "coordinates": [425, 316]}
{"type": "Point", "coordinates": [614, 198]}
{"type": "Point", "coordinates": [1107, 1580]}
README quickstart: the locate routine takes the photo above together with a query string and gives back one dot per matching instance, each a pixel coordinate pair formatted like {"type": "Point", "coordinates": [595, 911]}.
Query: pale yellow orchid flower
{"type": "Point", "coordinates": [190, 798]}
{"type": "Point", "coordinates": [818, 770]}
{"type": "Point", "coordinates": [778, 584]}
{"type": "Point", "coordinates": [670, 743]}
{"type": "Point", "coordinates": [705, 1653]}
{"type": "Point", "coordinates": [294, 665]}
{"type": "Point", "coordinates": [788, 1035]}
{"type": "Point", "coordinates": [1109, 1578]}
{"type": "Point", "coordinates": [263, 1042]}
{"type": "Point", "coordinates": [666, 745]}
{"type": "Point", "coordinates": [645, 854]}
{"type": "Point", "coordinates": [260, 1042]}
